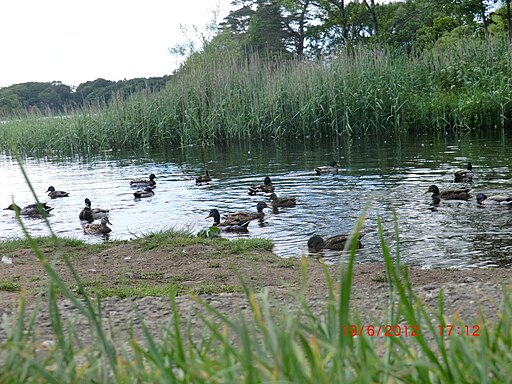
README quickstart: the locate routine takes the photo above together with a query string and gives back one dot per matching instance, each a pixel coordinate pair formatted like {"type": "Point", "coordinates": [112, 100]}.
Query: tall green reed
{"type": "Point", "coordinates": [221, 96]}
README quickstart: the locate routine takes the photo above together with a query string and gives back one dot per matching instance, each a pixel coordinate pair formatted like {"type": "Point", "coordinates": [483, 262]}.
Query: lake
{"type": "Point", "coordinates": [391, 173]}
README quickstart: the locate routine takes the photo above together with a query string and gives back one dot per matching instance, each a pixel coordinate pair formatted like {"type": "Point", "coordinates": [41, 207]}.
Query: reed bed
{"type": "Point", "coordinates": [271, 345]}
{"type": "Point", "coordinates": [217, 97]}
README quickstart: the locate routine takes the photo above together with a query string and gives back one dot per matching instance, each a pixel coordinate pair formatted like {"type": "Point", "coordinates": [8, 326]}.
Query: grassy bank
{"type": "Point", "coordinates": [219, 97]}
{"type": "Point", "coordinates": [273, 344]}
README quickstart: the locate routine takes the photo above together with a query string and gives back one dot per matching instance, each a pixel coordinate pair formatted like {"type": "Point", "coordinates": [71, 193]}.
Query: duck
{"type": "Point", "coordinates": [142, 183]}
{"type": "Point", "coordinates": [482, 199]}
{"type": "Point", "coordinates": [316, 242]}
{"type": "Point", "coordinates": [100, 228]}
{"type": "Point", "coordinates": [282, 201]}
{"type": "Point", "coordinates": [449, 194]}
{"type": "Point", "coordinates": [34, 210]}
{"type": "Point", "coordinates": [327, 169]}
{"type": "Point", "coordinates": [204, 178]}
{"type": "Point", "coordinates": [464, 174]}
{"type": "Point", "coordinates": [242, 217]}
{"type": "Point", "coordinates": [55, 194]}
{"type": "Point", "coordinates": [90, 214]}
{"type": "Point", "coordinates": [146, 192]}
{"type": "Point", "coordinates": [266, 187]}
{"type": "Point", "coordinates": [227, 226]}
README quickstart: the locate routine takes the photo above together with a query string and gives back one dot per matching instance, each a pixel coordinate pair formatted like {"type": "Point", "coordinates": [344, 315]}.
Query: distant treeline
{"type": "Point", "coordinates": [57, 97]}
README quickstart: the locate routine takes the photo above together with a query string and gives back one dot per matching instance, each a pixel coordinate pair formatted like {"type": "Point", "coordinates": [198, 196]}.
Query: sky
{"type": "Point", "coordinates": [74, 41]}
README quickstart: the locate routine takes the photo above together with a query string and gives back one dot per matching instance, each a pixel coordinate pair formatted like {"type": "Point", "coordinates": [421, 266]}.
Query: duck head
{"type": "Point", "coordinates": [216, 216]}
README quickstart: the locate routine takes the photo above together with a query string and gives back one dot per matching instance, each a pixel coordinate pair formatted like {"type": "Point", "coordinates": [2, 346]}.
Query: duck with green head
{"type": "Point", "coordinates": [449, 194]}
{"type": "Point", "coordinates": [56, 194]}
{"type": "Point", "coordinates": [34, 210]}
{"type": "Point", "coordinates": [266, 187]}
{"type": "Point", "coordinates": [482, 199]}
{"type": "Point", "coordinates": [227, 226]}
{"type": "Point", "coordinates": [327, 169]}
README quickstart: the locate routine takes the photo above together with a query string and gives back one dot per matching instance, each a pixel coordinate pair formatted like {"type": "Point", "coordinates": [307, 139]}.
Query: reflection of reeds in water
{"type": "Point", "coordinates": [218, 96]}
{"type": "Point", "coordinates": [271, 344]}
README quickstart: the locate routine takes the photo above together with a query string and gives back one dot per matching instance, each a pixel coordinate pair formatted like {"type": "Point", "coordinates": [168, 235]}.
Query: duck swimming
{"type": "Point", "coordinates": [147, 192]}
{"type": "Point", "coordinates": [282, 201]}
{"type": "Point", "coordinates": [90, 214]}
{"type": "Point", "coordinates": [316, 243]}
{"type": "Point", "coordinates": [227, 226]}
{"type": "Point", "coordinates": [327, 169]}
{"type": "Point", "coordinates": [55, 194]}
{"type": "Point", "coordinates": [464, 174]}
{"type": "Point", "coordinates": [101, 228]}
{"type": "Point", "coordinates": [266, 187]}
{"type": "Point", "coordinates": [204, 178]}
{"type": "Point", "coordinates": [241, 217]}
{"type": "Point", "coordinates": [449, 194]}
{"type": "Point", "coordinates": [142, 183]}
{"type": "Point", "coordinates": [482, 199]}
{"type": "Point", "coordinates": [34, 210]}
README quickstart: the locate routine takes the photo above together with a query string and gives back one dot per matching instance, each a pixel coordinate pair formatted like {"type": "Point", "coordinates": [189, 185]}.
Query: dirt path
{"type": "Point", "coordinates": [214, 276]}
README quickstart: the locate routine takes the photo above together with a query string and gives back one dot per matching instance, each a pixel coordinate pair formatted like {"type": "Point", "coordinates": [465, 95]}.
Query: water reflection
{"type": "Point", "coordinates": [391, 173]}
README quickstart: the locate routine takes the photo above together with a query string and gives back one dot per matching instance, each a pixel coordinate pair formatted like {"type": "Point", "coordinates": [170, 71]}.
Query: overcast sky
{"type": "Point", "coordinates": [74, 41]}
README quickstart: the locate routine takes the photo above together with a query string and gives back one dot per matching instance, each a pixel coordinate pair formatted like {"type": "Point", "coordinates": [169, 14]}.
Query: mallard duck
{"type": "Point", "coordinates": [226, 226]}
{"type": "Point", "coordinates": [55, 194]}
{"type": "Point", "coordinates": [90, 214]}
{"type": "Point", "coordinates": [331, 168]}
{"type": "Point", "coordinates": [449, 194]}
{"type": "Point", "coordinates": [316, 243]}
{"type": "Point", "coordinates": [242, 217]}
{"type": "Point", "coordinates": [37, 209]}
{"type": "Point", "coordinates": [464, 174]}
{"type": "Point", "coordinates": [146, 192]}
{"type": "Point", "coordinates": [204, 178]}
{"type": "Point", "coordinates": [98, 228]}
{"type": "Point", "coordinates": [482, 199]}
{"type": "Point", "coordinates": [282, 201]}
{"type": "Point", "coordinates": [142, 183]}
{"type": "Point", "coordinates": [266, 187]}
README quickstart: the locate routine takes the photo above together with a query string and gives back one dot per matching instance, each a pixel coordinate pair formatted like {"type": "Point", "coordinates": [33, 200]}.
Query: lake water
{"type": "Point", "coordinates": [393, 173]}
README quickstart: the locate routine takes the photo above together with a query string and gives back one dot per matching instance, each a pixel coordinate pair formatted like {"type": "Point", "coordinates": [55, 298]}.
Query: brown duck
{"type": "Point", "coordinates": [266, 187]}
{"type": "Point", "coordinates": [227, 226]}
{"type": "Point", "coordinates": [316, 243]}
{"type": "Point", "coordinates": [449, 194]}
{"type": "Point", "coordinates": [282, 201]}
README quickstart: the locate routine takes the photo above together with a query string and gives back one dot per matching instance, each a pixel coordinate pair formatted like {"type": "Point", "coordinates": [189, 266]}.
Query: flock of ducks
{"type": "Point", "coordinates": [239, 221]}
{"type": "Point", "coordinates": [466, 175]}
